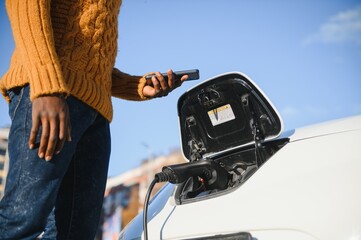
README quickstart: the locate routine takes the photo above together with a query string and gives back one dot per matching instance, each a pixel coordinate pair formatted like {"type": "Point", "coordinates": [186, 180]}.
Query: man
{"type": "Point", "coordinates": [59, 87]}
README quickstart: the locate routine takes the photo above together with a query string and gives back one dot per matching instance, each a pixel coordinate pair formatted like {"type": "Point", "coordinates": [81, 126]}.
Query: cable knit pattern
{"type": "Point", "coordinates": [69, 46]}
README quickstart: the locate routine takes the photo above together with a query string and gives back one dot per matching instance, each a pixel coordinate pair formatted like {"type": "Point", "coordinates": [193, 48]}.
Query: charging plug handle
{"type": "Point", "coordinates": [213, 175]}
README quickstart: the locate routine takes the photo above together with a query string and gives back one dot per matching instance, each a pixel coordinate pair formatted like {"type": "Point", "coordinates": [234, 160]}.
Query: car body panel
{"type": "Point", "coordinates": [325, 128]}
{"type": "Point", "coordinates": [308, 186]}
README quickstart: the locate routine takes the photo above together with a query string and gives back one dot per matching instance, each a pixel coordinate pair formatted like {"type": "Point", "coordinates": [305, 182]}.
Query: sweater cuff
{"type": "Point", "coordinates": [128, 87]}
{"type": "Point", "coordinates": [4, 92]}
{"type": "Point", "coordinates": [141, 85]}
{"type": "Point", "coordinates": [46, 79]}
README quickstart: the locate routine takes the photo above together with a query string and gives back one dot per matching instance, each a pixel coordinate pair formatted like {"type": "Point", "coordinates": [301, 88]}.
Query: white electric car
{"type": "Point", "coordinates": [253, 181]}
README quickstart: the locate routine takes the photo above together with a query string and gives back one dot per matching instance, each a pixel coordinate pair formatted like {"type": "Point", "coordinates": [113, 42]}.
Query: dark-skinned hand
{"type": "Point", "coordinates": [51, 113]}
{"type": "Point", "coordinates": [159, 87]}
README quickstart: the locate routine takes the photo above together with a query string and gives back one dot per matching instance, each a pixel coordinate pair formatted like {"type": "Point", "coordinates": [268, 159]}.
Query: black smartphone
{"type": "Point", "coordinates": [193, 74]}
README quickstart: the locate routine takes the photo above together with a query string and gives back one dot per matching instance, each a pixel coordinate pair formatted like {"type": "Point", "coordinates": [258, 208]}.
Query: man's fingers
{"type": "Point", "coordinates": [162, 82]}
{"type": "Point", "coordinates": [171, 78]}
{"type": "Point", "coordinates": [69, 132]}
{"type": "Point", "coordinates": [156, 84]}
{"type": "Point", "coordinates": [184, 78]}
{"type": "Point", "coordinates": [44, 138]}
{"type": "Point", "coordinates": [64, 131]}
{"type": "Point", "coordinates": [34, 132]}
{"type": "Point", "coordinates": [159, 86]}
{"type": "Point", "coordinates": [53, 138]}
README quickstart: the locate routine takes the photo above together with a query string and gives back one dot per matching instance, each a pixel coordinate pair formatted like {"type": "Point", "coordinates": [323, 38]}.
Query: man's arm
{"type": "Point", "coordinates": [137, 88]}
{"type": "Point", "coordinates": [33, 35]}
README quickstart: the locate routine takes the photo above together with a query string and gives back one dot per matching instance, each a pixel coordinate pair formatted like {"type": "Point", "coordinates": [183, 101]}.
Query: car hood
{"type": "Point", "coordinates": [346, 124]}
{"type": "Point", "coordinates": [223, 113]}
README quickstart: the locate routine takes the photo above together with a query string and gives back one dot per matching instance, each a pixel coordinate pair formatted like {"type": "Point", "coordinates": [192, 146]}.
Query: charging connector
{"type": "Point", "coordinates": [214, 177]}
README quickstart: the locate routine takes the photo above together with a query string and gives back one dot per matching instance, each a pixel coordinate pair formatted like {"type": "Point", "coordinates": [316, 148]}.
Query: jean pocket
{"type": "Point", "coordinates": [15, 95]}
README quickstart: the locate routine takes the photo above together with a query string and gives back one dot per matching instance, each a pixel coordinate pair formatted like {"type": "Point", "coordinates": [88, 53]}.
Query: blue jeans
{"type": "Point", "coordinates": [65, 195]}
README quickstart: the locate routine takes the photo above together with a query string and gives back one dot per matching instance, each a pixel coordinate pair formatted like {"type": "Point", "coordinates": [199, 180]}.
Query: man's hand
{"type": "Point", "coordinates": [52, 114]}
{"type": "Point", "coordinates": [159, 87]}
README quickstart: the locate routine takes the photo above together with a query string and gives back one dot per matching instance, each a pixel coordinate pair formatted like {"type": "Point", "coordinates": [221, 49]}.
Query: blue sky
{"type": "Point", "coordinates": [305, 56]}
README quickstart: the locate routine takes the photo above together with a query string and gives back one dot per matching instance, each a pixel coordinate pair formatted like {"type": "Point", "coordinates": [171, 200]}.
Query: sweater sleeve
{"type": "Point", "coordinates": [33, 34]}
{"type": "Point", "coordinates": [127, 87]}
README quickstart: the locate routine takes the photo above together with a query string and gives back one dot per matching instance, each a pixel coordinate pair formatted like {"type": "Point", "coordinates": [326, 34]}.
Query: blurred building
{"type": "Point", "coordinates": [125, 194]}
{"type": "Point", "coordinates": [4, 159]}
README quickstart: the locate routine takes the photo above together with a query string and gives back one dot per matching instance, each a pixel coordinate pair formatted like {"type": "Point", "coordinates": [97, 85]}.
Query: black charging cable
{"type": "Point", "coordinates": [159, 177]}
{"type": "Point", "coordinates": [145, 211]}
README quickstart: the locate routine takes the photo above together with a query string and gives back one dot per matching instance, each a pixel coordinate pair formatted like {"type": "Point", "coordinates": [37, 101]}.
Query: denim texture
{"type": "Point", "coordinates": [64, 195]}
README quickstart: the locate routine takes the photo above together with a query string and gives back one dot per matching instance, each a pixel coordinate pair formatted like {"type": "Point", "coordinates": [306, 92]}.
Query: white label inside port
{"type": "Point", "coordinates": [221, 115]}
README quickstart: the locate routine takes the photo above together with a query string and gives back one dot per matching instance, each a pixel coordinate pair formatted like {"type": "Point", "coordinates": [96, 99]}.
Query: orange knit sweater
{"type": "Point", "coordinates": [69, 46]}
